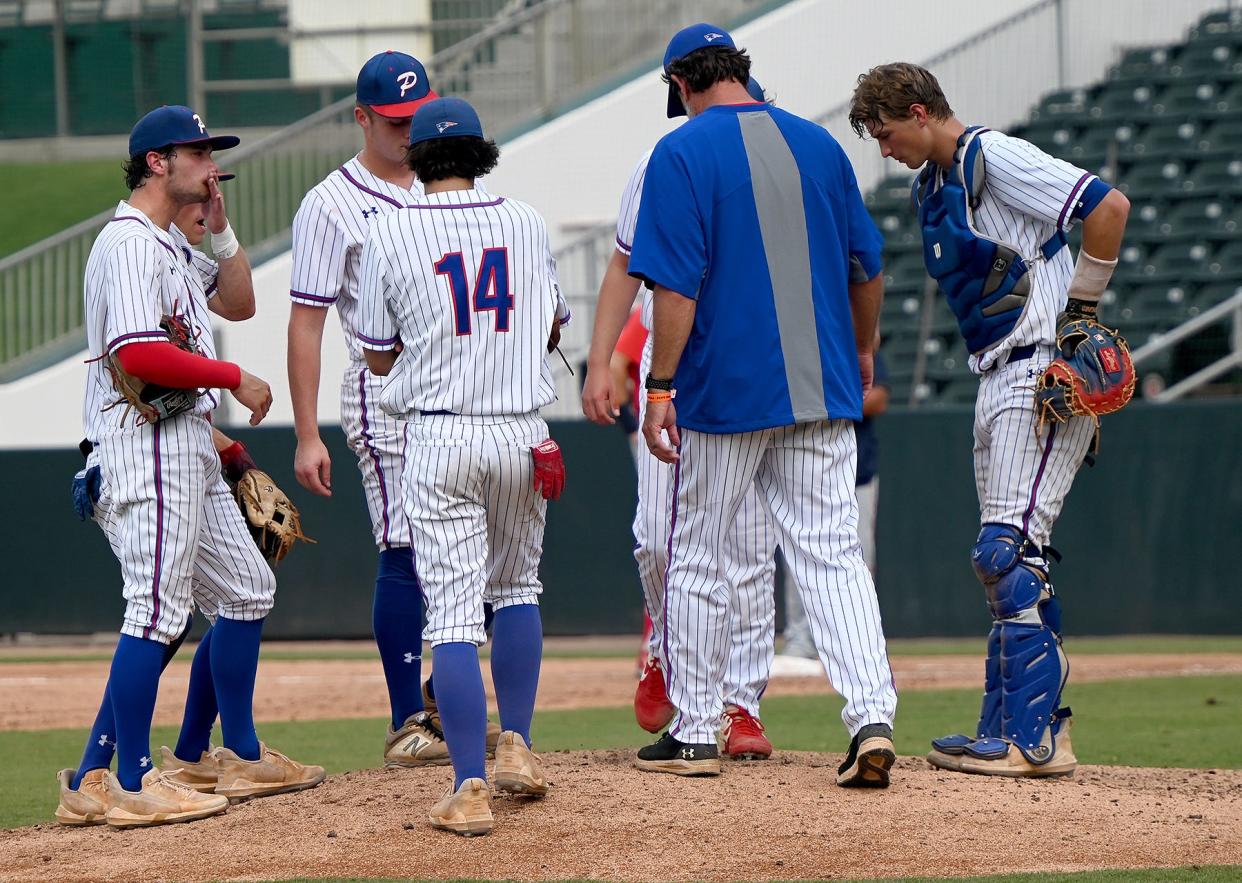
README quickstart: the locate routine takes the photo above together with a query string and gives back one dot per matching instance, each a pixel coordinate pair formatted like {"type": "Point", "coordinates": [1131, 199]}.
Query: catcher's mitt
{"type": "Point", "coordinates": [274, 521]}
{"type": "Point", "coordinates": [1093, 376]}
{"type": "Point", "coordinates": [153, 402]}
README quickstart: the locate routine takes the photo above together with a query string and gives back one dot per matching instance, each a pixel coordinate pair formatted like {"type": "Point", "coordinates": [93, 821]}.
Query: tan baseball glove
{"type": "Point", "coordinates": [274, 521]}
{"type": "Point", "coordinates": [153, 402]}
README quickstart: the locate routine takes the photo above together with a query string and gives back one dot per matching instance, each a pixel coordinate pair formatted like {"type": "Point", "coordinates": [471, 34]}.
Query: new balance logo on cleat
{"type": "Point", "coordinates": [416, 744]}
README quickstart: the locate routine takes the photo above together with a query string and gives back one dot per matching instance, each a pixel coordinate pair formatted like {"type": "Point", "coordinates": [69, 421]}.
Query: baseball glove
{"type": "Point", "coordinates": [153, 402]}
{"type": "Point", "coordinates": [1093, 376]}
{"type": "Point", "coordinates": [274, 521]}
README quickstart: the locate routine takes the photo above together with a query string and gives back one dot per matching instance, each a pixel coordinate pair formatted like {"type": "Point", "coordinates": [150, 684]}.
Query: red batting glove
{"type": "Point", "coordinates": [235, 460]}
{"type": "Point", "coordinates": [549, 469]}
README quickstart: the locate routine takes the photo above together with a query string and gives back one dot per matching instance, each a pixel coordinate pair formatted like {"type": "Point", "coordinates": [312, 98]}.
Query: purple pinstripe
{"type": "Point", "coordinates": [1039, 475]}
{"type": "Point", "coordinates": [159, 533]}
{"type": "Point", "coordinates": [672, 527]}
{"type": "Point", "coordinates": [366, 440]}
{"type": "Point", "coordinates": [365, 189]}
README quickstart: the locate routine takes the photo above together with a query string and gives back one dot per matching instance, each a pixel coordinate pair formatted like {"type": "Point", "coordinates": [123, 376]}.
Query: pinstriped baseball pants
{"type": "Point", "coordinates": [804, 475]}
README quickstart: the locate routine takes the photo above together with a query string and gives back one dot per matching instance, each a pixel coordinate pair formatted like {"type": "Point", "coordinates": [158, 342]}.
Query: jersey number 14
{"type": "Point", "coordinates": [491, 288]}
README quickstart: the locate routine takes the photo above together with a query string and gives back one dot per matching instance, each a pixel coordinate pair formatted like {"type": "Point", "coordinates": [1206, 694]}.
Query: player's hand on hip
{"type": "Point", "coordinates": [214, 217]}
{"type": "Point", "coordinates": [313, 467]}
{"type": "Point", "coordinates": [599, 402]}
{"type": "Point", "coordinates": [866, 368]}
{"type": "Point", "coordinates": [659, 418]}
{"type": "Point", "coordinates": [255, 395]}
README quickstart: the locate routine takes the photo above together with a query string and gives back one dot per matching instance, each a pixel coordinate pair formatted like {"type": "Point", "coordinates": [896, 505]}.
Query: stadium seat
{"type": "Point", "coordinates": [1063, 105]}
{"type": "Point", "coordinates": [1210, 294]}
{"type": "Point", "coordinates": [1162, 305]}
{"type": "Point", "coordinates": [1142, 64]}
{"type": "Point", "coordinates": [1174, 139]}
{"type": "Point", "coordinates": [1224, 26]}
{"type": "Point", "coordinates": [1202, 217]}
{"type": "Point", "coordinates": [1122, 103]}
{"type": "Point", "coordinates": [1177, 261]}
{"type": "Point", "coordinates": [1207, 59]}
{"type": "Point", "coordinates": [1195, 98]}
{"type": "Point", "coordinates": [1154, 177]}
{"type": "Point", "coordinates": [891, 193]}
{"type": "Point", "coordinates": [1218, 177]}
{"type": "Point", "coordinates": [1054, 138]}
{"type": "Point", "coordinates": [1089, 150]}
{"type": "Point", "coordinates": [1225, 134]}
{"type": "Point", "coordinates": [1226, 262]}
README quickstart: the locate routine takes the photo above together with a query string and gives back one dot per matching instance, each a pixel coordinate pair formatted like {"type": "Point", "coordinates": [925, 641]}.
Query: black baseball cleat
{"type": "Point", "coordinates": [870, 757]}
{"type": "Point", "coordinates": [671, 755]}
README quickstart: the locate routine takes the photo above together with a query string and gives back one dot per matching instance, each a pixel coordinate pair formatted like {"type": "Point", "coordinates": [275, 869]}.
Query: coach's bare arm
{"type": "Point", "coordinates": [380, 361]}
{"type": "Point", "coordinates": [865, 300]}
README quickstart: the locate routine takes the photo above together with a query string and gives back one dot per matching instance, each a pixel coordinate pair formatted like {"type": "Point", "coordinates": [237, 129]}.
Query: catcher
{"type": "Point", "coordinates": [994, 212]}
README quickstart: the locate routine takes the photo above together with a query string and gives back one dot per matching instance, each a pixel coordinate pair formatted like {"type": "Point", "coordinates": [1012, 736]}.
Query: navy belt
{"type": "Point", "coordinates": [1020, 353]}
{"type": "Point", "coordinates": [437, 414]}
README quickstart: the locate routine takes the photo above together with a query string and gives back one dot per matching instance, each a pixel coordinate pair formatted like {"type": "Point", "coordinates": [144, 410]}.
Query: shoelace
{"type": "Point", "coordinates": [742, 719]}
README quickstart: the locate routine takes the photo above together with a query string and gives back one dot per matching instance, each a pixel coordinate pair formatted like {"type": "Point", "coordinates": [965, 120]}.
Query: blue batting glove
{"type": "Point", "coordinates": [86, 492]}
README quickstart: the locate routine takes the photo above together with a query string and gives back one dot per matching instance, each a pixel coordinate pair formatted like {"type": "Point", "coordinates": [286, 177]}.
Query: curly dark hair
{"type": "Point", "coordinates": [136, 169]}
{"type": "Point", "coordinates": [887, 92]}
{"type": "Point", "coordinates": [703, 68]}
{"type": "Point", "coordinates": [463, 156]}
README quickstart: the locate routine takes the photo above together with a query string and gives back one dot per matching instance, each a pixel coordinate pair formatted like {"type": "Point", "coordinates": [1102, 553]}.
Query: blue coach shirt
{"type": "Point", "coordinates": [755, 213]}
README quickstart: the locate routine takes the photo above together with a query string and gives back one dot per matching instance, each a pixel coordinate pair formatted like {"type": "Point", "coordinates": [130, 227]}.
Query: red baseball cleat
{"type": "Point", "coordinates": [743, 735]}
{"type": "Point", "coordinates": [651, 706]}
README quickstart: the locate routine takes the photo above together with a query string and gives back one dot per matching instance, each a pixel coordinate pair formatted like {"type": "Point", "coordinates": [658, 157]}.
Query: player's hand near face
{"type": "Point", "coordinates": [255, 395]}
{"type": "Point", "coordinates": [214, 216]}
{"type": "Point", "coordinates": [661, 417]}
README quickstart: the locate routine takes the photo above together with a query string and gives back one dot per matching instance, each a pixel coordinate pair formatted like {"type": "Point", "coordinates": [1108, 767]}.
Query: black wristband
{"type": "Point", "coordinates": [653, 383]}
{"type": "Point", "coordinates": [1081, 309]}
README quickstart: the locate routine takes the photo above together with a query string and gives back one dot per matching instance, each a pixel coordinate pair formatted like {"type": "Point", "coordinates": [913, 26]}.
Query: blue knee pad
{"type": "Point", "coordinates": [1032, 668]}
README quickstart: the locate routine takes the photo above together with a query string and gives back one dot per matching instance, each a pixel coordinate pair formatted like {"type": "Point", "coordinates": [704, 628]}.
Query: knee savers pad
{"type": "Point", "coordinates": [1013, 581]}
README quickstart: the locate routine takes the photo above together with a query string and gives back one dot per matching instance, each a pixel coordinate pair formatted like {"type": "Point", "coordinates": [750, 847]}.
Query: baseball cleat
{"type": "Point", "coordinates": [418, 743]}
{"type": "Point", "coordinates": [671, 755]}
{"type": "Point", "coordinates": [201, 775]}
{"type": "Point", "coordinates": [870, 758]}
{"type": "Point", "coordinates": [161, 801]}
{"type": "Point", "coordinates": [466, 811]}
{"type": "Point", "coordinates": [743, 735]}
{"type": "Point", "coordinates": [433, 712]}
{"type": "Point", "coordinates": [272, 773]}
{"type": "Point", "coordinates": [517, 767]}
{"type": "Point", "coordinates": [89, 804]}
{"type": "Point", "coordinates": [1008, 761]}
{"type": "Point", "coordinates": [652, 708]}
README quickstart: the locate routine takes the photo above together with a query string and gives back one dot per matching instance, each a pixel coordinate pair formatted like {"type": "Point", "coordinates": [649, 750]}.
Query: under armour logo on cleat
{"type": "Point", "coordinates": [410, 657]}
{"type": "Point", "coordinates": [687, 753]}
{"type": "Point", "coordinates": [145, 762]}
{"type": "Point", "coordinates": [371, 212]}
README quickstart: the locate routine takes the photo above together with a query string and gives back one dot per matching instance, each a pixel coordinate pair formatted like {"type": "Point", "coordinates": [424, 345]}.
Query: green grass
{"type": "Point", "coordinates": [1216, 874]}
{"type": "Point", "coordinates": [56, 195]}
{"type": "Point", "coordinates": [1145, 644]}
{"type": "Point", "coordinates": [1163, 722]}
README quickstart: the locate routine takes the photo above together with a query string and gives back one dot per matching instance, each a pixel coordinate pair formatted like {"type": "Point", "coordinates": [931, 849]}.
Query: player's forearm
{"type": "Point", "coordinates": [865, 300]}
{"type": "Point", "coordinates": [380, 362]}
{"type": "Point", "coordinates": [673, 319]}
{"type": "Point", "coordinates": [220, 440]}
{"type": "Point", "coordinates": [163, 364]}
{"type": "Point", "coordinates": [1103, 229]}
{"type": "Point", "coordinates": [304, 361]}
{"type": "Point", "coordinates": [616, 299]}
{"type": "Point", "coordinates": [234, 298]}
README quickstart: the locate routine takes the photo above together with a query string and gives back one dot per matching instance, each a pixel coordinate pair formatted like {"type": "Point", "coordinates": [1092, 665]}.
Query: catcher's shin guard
{"type": "Point", "coordinates": [989, 714]}
{"type": "Point", "coordinates": [1033, 668]}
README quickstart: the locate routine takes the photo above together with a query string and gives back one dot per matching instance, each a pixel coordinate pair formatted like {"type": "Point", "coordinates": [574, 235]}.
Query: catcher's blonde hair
{"type": "Point", "coordinates": [887, 92]}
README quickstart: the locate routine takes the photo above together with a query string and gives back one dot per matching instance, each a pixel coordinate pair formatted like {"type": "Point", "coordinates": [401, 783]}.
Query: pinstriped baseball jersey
{"type": "Point", "coordinates": [168, 514]}
{"type": "Point", "coordinates": [1027, 197]}
{"type": "Point", "coordinates": [328, 233]}
{"type": "Point", "coordinates": [627, 222]}
{"type": "Point", "coordinates": [135, 275]}
{"type": "Point", "coordinates": [466, 282]}
{"type": "Point", "coordinates": [208, 270]}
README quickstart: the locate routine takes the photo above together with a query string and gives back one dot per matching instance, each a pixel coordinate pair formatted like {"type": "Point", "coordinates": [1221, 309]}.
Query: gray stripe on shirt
{"type": "Point", "coordinates": [777, 185]}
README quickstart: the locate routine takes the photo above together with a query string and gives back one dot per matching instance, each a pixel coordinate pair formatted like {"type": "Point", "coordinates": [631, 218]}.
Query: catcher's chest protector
{"type": "Point", "coordinates": [986, 281]}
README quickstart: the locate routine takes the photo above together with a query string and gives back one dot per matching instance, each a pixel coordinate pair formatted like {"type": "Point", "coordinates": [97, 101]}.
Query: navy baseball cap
{"type": "Point", "coordinates": [445, 118]}
{"type": "Point", "coordinates": [687, 40]}
{"type": "Point", "coordinates": [174, 124]}
{"type": "Point", "coordinates": [394, 84]}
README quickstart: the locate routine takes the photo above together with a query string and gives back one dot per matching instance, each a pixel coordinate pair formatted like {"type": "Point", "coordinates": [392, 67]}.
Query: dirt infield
{"type": "Point", "coordinates": [44, 695]}
{"type": "Point", "coordinates": [781, 818]}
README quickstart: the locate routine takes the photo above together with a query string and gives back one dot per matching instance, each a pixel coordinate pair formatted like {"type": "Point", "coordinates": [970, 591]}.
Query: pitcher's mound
{"type": "Point", "coordinates": [780, 818]}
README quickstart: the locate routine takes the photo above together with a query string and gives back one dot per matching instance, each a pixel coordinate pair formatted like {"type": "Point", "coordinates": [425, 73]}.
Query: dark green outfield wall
{"type": "Point", "coordinates": [1150, 536]}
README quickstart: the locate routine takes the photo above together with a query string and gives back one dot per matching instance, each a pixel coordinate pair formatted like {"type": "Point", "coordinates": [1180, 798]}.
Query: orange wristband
{"type": "Point", "coordinates": [658, 395]}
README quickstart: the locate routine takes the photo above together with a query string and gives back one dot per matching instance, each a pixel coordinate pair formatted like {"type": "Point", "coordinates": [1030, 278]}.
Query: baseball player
{"type": "Point", "coordinates": [459, 308]}
{"type": "Point", "coordinates": [328, 233]}
{"type": "Point", "coordinates": [173, 524]}
{"type": "Point", "coordinates": [994, 213]}
{"type": "Point", "coordinates": [765, 270]}
{"type": "Point", "coordinates": [749, 567]}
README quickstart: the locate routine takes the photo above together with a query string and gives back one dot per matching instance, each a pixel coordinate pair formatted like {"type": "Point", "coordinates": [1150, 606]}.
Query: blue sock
{"type": "Point", "coordinates": [517, 649]}
{"type": "Point", "coordinates": [463, 708]}
{"type": "Point", "coordinates": [101, 743]}
{"type": "Point", "coordinates": [200, 705]}
{"type": "Point", "coordinates": [132, 684]}
{"type": "Point", "coordinates": [397, 621]}
{"type": "Point", "coordinates": [234, 661]}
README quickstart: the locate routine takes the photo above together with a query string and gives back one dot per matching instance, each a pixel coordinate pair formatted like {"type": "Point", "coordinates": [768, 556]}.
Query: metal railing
{"type": "Point", "coordinates": [518, 72]}
{"type": "Point", "coordinates": [1230, 310]}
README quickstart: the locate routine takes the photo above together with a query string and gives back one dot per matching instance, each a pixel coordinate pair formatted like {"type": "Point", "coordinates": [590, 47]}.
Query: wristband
{"type": "Point", "coordinates": [1091, 277]}
{"type": "Point", "coordinates": [655, 396]}
{"type": "Point", "coordinates": [653, 383]}
{"type": "Point", "coordinates": [224, 244]}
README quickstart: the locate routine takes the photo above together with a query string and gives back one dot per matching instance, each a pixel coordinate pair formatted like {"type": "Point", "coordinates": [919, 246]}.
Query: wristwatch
{"type": "Point", "coordinates": [663, 385]}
